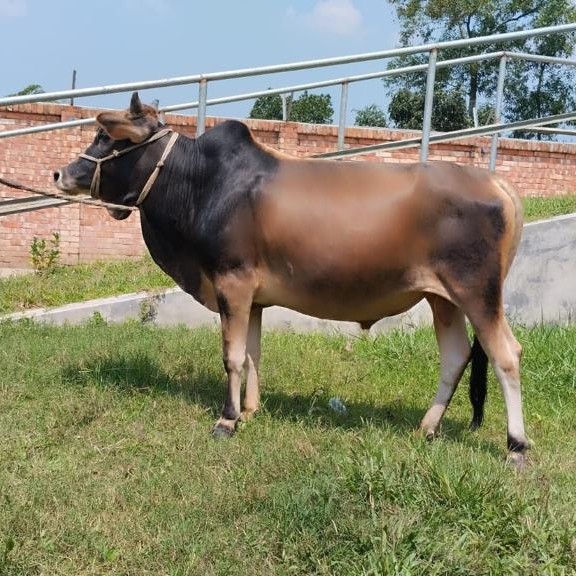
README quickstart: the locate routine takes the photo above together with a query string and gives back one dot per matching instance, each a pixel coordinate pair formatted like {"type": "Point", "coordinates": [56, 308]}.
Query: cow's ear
{"type": "Point", "coordinates": [123, 126]}
{"type": "Point", "coordinates": [136, 124]}
{"type": "Point", "coordinates": [120, 127]}
{"type": "Point", "coordinates": [136, 108]}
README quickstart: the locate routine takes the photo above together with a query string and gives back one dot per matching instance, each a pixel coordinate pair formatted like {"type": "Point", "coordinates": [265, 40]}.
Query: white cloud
{"type": "Point", "coordinates": [12, 8]}
{"type": "Point", "coordinates": [338, 17]}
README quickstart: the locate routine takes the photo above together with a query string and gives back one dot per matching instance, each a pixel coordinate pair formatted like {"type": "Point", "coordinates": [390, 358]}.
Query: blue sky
{"type": "Point", "coordinates": [117, 41]}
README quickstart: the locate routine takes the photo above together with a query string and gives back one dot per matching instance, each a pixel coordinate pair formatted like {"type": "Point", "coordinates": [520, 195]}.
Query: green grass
{"type": "Point", "coordinates": [107, 465]}
{"type": "Point", "coordinates": [67, 284]}
{"type": "Point", "coordinates": [541, 207]}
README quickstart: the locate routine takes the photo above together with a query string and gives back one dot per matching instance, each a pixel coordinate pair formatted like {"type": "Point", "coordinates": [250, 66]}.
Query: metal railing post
{"type": "Point", "coordinates": [284, 97]}
{"type": "Point", "coordinates": [202, 97]}
{"type": "Point", "coordinates": [497, 111]}
{"type": "Point", "coordinates": [342, 119]}
{"type": "Point", "coordinates": [73, 86]}
{"type": "Point", "coordinates": [428, 102]}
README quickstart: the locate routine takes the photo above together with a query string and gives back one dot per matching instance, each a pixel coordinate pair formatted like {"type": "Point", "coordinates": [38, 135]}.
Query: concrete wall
{"type": "Point", "coordinates": [541, 287]}
{"type": "Point", "coordinates": [87, 234]}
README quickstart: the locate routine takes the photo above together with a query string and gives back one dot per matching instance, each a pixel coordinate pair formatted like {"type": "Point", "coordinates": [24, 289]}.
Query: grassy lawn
{"type": "Point", "coordinates": [66, 284]}
{"type": "Point", "coordinates": [107, 465]}
{"type": "Point", "coordinates": [541, 207]}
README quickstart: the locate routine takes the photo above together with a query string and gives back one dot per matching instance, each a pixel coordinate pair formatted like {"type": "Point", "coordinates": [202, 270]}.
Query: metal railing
{"type": "Point", "coordinates": [433, 50]}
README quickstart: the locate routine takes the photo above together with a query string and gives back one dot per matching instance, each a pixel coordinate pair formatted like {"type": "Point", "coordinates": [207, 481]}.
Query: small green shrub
{"type": "Point", "coordinates": [45, 254]}
{"type": "Point", "coordinates": [148, 310]}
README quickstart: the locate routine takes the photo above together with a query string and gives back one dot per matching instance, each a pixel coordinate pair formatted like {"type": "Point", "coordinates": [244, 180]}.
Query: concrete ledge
{"type": "Point", "coordinates": [174, 307]}
{"type": "Point", "coordinates": [7, 272]}
{"type": "Point", "coordinates": [541, 287]}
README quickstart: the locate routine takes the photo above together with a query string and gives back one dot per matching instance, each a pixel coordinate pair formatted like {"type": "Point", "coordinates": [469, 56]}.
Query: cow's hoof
{"type": "Point", "coordinates": [222, 432]}
{"type": "Point", "coordinates": [474, 425]}
{"type": "Point", "coordinates": [247, 415]}
{"type": "Point", "coordinates": [427, 433]}
{"type": "Point", "coordinates": [517, 460]}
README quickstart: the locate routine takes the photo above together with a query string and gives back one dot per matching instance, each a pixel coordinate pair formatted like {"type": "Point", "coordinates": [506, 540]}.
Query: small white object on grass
{"type": "Point", "coordinates": [337, 405]}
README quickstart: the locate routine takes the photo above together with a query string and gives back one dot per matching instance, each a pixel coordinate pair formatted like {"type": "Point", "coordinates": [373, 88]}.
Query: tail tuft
{"type": "Point", "coordinates": [478, 380]}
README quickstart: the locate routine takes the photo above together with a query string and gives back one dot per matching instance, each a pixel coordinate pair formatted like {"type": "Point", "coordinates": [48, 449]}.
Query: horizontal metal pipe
{"type": "Point", "coordinates": [450, 136]}
{"type": "Point", "coordinates": [479, 131]}
{"type": "Point", "coordinates": [333, 82]}
{"type": "Point", "coordinates": [47, 127]}
{"type": "Point", "coordinates": [407, 143]}
{"type": "Point", "coordinates": [18, 205]}
{"type": "Point", "coordinates": [539, 58]}
{"type": "Point", "coordinates": [563, 131]}
{"type": "Point", "coordinates": [286, 67]}
{"type": "Point", "coordinates": [253, 95]}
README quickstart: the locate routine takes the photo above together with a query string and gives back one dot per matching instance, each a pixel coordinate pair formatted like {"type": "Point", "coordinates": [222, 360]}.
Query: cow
{"type": "Point", "coordinates": [241, 226]}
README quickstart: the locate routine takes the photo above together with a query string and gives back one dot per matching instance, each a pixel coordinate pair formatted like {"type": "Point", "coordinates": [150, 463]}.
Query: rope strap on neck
{"type": "Point", "coordinates": [156, 171]}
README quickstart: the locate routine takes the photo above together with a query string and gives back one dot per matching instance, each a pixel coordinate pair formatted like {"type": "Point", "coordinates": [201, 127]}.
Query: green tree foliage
{"type": "Point", "coordinates": [30, 89]}
{"type": "Point", "coordinates": [531, 89]}
{"type": "Point", "coordinates": [371, 115]}
{"type": "Point", "coordinates": [309, 108]}
{"type": "Point", "coordinates": [267, 108]}
{"type": "Point", "coordinates": [449, 113]}
{"type": "Point", "coordinates": [312, 108]}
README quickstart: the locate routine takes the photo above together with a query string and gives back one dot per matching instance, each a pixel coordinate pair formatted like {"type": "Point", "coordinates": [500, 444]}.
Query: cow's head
{"type": "Point", "coordinates": [120, 178]}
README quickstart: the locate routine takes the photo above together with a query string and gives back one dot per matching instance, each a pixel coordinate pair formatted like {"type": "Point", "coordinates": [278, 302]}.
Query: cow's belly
{"type": "Point", "coordinates": [339, 301]}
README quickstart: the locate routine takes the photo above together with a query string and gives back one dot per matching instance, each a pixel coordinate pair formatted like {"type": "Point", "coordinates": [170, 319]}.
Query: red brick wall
{"type": "Point", "coordinates": [89, 234]}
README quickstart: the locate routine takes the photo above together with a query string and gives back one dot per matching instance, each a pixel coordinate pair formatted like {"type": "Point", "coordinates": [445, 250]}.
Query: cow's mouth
{"type": "Point", "coordinates": [69, 186]}
{"type": "Point", "coordinates": [118, 213]}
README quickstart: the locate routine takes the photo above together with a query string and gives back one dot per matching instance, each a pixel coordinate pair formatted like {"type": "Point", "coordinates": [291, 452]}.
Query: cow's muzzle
{"type": "Point", "coordinates": [68, 184]}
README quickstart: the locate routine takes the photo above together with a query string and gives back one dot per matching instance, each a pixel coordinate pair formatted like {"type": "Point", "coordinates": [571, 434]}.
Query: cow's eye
{"type": "Point", "coordinates": [102, 136]}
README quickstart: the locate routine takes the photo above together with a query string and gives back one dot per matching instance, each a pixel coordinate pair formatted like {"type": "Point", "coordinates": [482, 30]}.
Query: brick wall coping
{"type": "Point", "coordinates": [67, 112]}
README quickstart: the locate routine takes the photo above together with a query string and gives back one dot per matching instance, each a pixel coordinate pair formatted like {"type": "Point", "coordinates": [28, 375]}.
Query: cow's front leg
{"type": "Point", "coordinates": [234, 316]}
{"type": "Point", "coordinates": [252, 394]}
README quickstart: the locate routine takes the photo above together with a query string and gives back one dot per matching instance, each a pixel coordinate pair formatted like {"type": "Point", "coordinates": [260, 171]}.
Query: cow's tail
{"type": "Point", "coordinates": [478, 381]}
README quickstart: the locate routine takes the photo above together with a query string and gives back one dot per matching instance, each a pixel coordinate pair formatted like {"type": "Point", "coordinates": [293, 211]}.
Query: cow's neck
{"type": "Point", "coordinates": [167, 215]}
{"type": "Point", "coordinates": [173, 195]}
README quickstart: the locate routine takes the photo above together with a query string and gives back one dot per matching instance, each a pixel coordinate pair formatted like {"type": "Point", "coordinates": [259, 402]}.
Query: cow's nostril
{"type": "Point", "coordinates": [56, 176]}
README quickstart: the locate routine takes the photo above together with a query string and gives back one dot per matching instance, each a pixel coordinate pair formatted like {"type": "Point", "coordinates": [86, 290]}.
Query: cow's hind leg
{"type": "Point", "coordinates": [504, 353]}
{"type": "Point", "coordinates": [454, 346]}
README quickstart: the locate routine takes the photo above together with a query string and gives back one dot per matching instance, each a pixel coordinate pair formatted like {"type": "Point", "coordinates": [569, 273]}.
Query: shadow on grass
{"type": "Point", "coordinates": [141, 374]}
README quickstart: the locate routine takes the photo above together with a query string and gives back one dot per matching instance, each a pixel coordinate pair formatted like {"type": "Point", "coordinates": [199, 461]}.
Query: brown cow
{"type": "Point", "coordinates": [241, 227]}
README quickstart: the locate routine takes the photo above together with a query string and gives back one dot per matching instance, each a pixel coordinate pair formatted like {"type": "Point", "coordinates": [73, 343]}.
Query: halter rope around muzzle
{"type": "Point", "coordinates": [95, 185]}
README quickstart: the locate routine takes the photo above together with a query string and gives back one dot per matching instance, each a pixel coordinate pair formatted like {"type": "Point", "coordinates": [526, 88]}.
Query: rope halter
{"type": "Point", "coordinates": [95, 185]}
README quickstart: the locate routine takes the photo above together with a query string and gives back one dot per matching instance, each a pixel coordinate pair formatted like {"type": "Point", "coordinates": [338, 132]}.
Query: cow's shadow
{"type": "Point", "coordinates": [141, 374]}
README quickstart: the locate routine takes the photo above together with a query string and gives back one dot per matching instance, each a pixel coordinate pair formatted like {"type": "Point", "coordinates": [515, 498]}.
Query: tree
{"type": "Point", "coordinates": [449, 113]}
{"type": "Point", "coordinates": [267, 108]}
{"type": "Point", "coordinates": [371, 115]}
{"type": "Point", "coordinates": [309, 108]}
{"type": "Point", "coordinates": [312, 108]}
{"type": "Point", "coordinates": [30, 89]}
{"type": "Point", "coordinates": [536, 87]}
